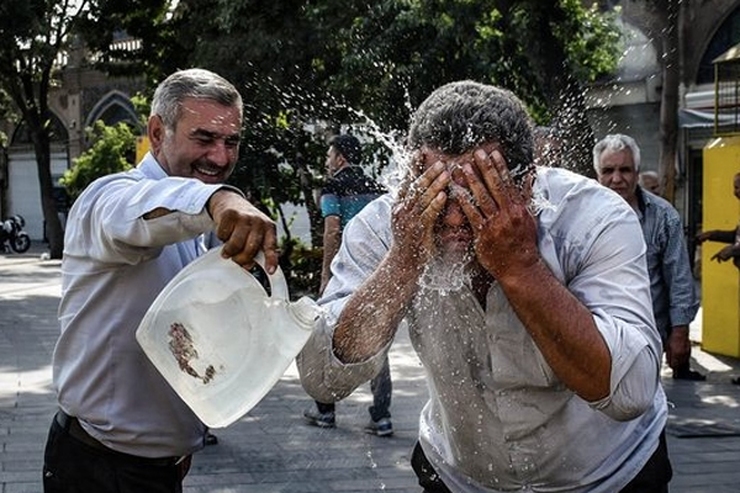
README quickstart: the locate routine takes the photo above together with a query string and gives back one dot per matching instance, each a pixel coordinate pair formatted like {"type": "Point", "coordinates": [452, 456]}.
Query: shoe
{"type": "Point", "coordinates": [211, 439]}
{"type": "Point", "coordinates": [382, 428]}
{"type": "Point", "coordinates": [687, 374]}
{"type": "Point", "coordinates": [322, 420]}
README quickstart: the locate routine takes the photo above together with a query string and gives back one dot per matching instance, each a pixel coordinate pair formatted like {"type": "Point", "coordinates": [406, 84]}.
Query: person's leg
{"type": "Point", "coordinates": [325, 408]}
{"type": "Point", "coordinates": [382, 388]}
{"type": "Point", "coordinates": [684, 371]}
{"type": "Point", "coordinates": [655, 475]}
{"type": "Point", "coordinates": [71, 466]}
{"type": "Point", "coordinates": [428, 477]}
{"type": "Point", "coordinates": [323, 416]}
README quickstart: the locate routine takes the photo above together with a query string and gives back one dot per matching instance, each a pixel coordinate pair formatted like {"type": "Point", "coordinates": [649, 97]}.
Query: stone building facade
{"type": "Point", "coordinates": [630, 102]}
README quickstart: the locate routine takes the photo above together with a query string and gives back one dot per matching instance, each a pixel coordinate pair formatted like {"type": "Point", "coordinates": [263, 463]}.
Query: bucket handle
{"type": "Point", "coordinates": [278, 284]}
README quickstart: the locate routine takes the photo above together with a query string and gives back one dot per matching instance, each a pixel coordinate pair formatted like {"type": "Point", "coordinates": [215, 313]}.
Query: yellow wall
{"type": "Point", "coordinates": [720, 293]}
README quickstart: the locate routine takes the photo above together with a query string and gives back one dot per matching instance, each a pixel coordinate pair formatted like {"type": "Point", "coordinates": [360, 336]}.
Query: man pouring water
{"type": "Point", "coordinates": [543, 362]}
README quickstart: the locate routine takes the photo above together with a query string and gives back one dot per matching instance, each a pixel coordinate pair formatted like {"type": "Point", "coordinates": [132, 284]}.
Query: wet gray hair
{"type": "Point", "coordinates": [616, 143]}
{"type": "Point", "coordinates": [192, 83]}
{"type": "Point", "coordinates": [460, 116]}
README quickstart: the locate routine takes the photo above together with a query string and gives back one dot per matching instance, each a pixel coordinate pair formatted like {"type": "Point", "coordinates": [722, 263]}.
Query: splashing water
{"type": "Point", "coordinates": [446, 276]}
{"type": "Point", "coordinates": [400, 156]}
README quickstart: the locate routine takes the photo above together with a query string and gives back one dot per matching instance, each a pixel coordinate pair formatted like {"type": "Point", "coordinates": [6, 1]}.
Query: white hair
{"type": "Point", "coordinates": [616, 143]}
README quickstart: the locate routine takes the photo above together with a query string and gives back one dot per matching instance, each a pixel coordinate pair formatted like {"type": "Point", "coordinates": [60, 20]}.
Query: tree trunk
{"type": "Point", "coordinates": [53, 226]}
{"type": "Point", "coordinates": [314, 214]}
{"type": "Point", "coordinates": [669, 101]}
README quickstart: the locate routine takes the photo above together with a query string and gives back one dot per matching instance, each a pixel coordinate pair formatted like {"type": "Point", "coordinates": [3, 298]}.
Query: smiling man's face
{"type": "Point", "coordinates": [204, 143]}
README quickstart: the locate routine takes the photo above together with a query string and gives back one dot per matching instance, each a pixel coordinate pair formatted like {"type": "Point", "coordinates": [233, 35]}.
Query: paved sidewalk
{"type": "Point", "coordinates": [271, 450]}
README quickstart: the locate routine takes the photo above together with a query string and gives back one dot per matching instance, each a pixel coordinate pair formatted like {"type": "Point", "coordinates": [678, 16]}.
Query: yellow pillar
{"type": "Point", "coordinates": [142, 147]}
{"type": "Point", "coordinates": [720, 282]}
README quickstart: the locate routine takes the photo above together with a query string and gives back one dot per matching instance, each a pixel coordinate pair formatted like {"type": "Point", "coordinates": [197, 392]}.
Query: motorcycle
{"type": "Point", "coordinates": [12, 234]}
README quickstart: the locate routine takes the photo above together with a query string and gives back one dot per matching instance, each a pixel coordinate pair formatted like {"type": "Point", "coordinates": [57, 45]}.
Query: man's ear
{"type": "Point", "coordinates": [155, 132]}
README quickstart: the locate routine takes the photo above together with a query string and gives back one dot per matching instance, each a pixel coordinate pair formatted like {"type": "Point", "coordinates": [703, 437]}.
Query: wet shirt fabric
{"type": "Point", "coordinates": [347, 192]}
{"type": "Point", "coordinates": [498, 418]}
{"type": "Point", "coordinates": [674, 293]}
{"type": "Point", "coordinates": [115, 263]}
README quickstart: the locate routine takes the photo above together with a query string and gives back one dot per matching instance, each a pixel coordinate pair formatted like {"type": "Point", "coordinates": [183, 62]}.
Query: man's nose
{"type": "Point", "coordinates": [453, 213]}
{"type": "Point", "coordinates": [617, 177]}
{"type": "Point", "coordinates": [220, 153]}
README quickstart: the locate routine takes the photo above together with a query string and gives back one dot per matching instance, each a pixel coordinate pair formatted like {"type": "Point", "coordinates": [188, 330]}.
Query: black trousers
{"type": "Point", "coordinates": [74, 463]}
{"type": "Point", "coordinates": [653, 478]}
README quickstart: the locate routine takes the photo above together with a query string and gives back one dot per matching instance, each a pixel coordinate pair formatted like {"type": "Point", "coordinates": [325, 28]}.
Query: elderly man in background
{"type": "Point", "coordinates": [675, 299]}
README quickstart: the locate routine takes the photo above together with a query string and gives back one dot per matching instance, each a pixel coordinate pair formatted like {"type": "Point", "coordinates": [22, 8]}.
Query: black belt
{"type": "Point", "coordinates": [72, 426]}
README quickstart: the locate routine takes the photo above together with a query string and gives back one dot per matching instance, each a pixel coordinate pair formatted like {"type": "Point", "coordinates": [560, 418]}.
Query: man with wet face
{"type": "Point", "coordinates": [543, 365]}
{"type": "Point", "coordinates": [120, 427]}
{"type": "Point", "coordinates": [616, 160]}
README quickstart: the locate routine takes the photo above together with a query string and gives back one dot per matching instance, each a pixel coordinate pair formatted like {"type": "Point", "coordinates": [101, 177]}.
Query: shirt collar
{"type": "Point", "coordinates": [151, 168]}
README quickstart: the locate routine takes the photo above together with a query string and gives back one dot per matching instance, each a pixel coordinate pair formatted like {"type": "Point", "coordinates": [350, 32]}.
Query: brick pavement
{"type": "Point", "coordinates": [271, 450]}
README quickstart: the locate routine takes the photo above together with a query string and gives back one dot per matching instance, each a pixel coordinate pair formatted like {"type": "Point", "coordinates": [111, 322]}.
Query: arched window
{"type": "Point", "coordinates": [58, 132]}
{"type": "Point", "coordinates": [113, 108]}
{"type": "Point", "coordinates": [727, 36]}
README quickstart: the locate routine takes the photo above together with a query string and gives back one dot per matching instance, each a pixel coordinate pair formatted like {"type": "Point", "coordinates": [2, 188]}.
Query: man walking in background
{"type": "Point", "coordinates": [346, 192]}
{"type": "Point", "coordinates": [675, 300]}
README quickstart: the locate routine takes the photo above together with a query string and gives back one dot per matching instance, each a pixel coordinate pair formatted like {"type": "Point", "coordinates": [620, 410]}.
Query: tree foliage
{"type": "Point", "coordinates": [33, 33]}
{"type": "Point", "coordinates": [113, 150]}
{"type": "Point", "coordinates": [37, 35]}
{"type": "Point", "coordinates": [324, 63]}
{"type": "Point", "coordinates": [305, 68]}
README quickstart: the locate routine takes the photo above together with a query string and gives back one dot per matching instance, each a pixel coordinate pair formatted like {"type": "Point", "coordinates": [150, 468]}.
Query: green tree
{"type": "Point", "coordinates": [35, 36]}
{"type": "Point", "coordinates": [302, 63]}
{"type": "Point", "coordinates": [33, 33]}
{"type": "Point", "coordinates": [544, 51]}
{"type": "Point", "coordinates": [113, 150]}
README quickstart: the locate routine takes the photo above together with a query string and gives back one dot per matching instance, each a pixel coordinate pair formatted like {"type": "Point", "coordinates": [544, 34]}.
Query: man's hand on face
{"type": "Point", "coordinates": [421, 199]}
{"type": "Point", "coordinates": [244, 229]}
{"type": "Point", "coordinates": [497, 209]}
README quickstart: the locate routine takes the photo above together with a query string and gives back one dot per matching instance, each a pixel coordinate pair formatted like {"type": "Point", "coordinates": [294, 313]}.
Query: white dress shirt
{"type": "Point", "coordinates": [115, 263]}
{"type": "Point", "coordinates": [498, 418]}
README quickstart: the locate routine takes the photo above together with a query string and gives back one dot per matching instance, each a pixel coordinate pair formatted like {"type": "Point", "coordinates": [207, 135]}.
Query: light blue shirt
{"type": "Point", "coordinates": [115, 263]}
{"type": "Point", "coordinates": [498, 418]}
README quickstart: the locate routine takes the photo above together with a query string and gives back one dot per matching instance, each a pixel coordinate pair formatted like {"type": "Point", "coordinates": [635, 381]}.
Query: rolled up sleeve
{"type": "Point", "coordinates": [605, 268]}
{"type": "Point", "coordinates": [365, 242]}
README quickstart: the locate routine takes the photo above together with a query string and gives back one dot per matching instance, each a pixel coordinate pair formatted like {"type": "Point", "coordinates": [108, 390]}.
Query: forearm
{"type": "Point", "coordinates": [721, 236]}
{"type": "Point", "coordinates": [332, 240]}
{"type": "Point", "coordinates": [563, 329]}
{"type": "Point", "coordinates": [371, 317]}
